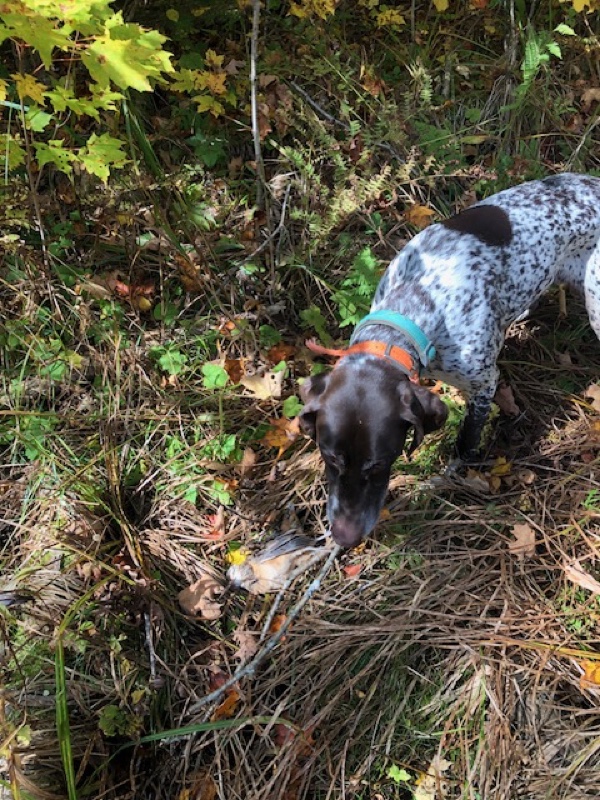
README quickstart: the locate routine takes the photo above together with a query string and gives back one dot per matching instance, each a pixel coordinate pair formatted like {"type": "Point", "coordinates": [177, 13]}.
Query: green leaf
{"type": "Point", "coordinates": [398, 775]}
{"type": "Point", "coordinates": [101, 153]}
{"type": "Point", "coordinates": [215, 377]}
{"type": "Point", "coordinates": [53, 152]}
{"type": "Point", "coordinates": [40, 33]}
{"type": "Point", "coordinates": [292, 406]}
{"type": "Point", "coordinates": [565, 30]}
{"type": "Point", "coordinates": [11, 150]}
{"type": "Point", "coordinates": [63, 98]}
{"type": "Point", "coordinates": [554, 49]}
{"type": "Point", "coordinates": [127, 55]}
{"type": "Point", "coordinates": [172, 361]}
{"type": "Point", "coordinates": [36, 119]}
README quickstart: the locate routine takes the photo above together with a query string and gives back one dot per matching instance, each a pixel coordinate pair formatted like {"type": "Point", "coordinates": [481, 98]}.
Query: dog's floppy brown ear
{"type": "Point", "coordinates": [423, 409]}
{"type": "Point", "coordinates": [311, 391]}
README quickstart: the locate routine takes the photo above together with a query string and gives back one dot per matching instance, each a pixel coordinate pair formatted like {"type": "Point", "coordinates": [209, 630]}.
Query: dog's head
{"type": "Point", "coordinates": [360, 414]}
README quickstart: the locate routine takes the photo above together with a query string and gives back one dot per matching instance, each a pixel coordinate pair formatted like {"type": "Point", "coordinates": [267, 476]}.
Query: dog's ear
{"type": "Point", "coordinates": [422, 409]}
{"type": "Point", "coordinates": [311, 391]}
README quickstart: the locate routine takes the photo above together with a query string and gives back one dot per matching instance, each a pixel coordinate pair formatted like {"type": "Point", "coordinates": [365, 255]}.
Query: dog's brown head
{"type": "Point", "coordinates": [359, 414]}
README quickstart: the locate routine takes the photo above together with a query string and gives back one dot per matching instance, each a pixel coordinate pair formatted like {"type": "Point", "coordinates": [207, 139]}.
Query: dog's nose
{"type": "Point", "coordinates": [346, 532]}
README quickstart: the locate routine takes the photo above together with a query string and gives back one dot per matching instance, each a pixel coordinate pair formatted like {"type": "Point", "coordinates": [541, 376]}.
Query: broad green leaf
{"type": "Point", "coordinates": [62, 98]}
{"type": "Point", "coordinates": [36, 119]}
{"type": "Point", "coordinates": [127, 55]}
{"type": "Point", "coordinates": [207, 103]}
{"type": "Point", "coordinates": [40, 33]}
{"type": "Point", "coordinates": [292, 406]}
{"type": "Point", "coordinates": [53, 152]}
{"type": "Point", "coordinates": [101, 153]}
{"type": "Point", "coordinates": [565, 30]}
{"type": "Point", "coordinates": [215, 377]}
{"type": "Point", "coordinates": [554, 49]}
{"type": "Point", "coordinates": [11, 151]}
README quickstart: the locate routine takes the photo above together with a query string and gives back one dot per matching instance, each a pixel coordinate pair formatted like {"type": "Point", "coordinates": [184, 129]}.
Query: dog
{"type": "Point", "coordinates": [441, 310]}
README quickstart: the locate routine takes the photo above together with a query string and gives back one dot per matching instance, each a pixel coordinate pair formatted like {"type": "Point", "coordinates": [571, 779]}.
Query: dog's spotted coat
{"type": "Point", "coordinates": [463, 282]}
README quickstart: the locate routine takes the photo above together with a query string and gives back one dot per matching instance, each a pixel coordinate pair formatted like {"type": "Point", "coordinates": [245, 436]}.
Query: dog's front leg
{"type": "Point", "coordinates": [469, 436]}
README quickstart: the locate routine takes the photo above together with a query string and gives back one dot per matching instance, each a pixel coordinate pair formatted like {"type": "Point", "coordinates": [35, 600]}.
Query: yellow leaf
{"type": "Point", "coordinates": [501, 467]}
{"type": "Point", "coordinates": [213, 81]}
{"type": "Point", "coordinates": [172, 14]}
{"type": "Point", "coordinates": [237, 557]}
{"type": "Point", "coordinates": [441, 5]}
{"type": "Point", "coordinates": [213, 60]}
{"type": "Point", "coordinates": [2, 91]}
{"type": "Point", "coordinates": [27, 86]}
{"type": "Point", "coordinates": [390, 18]}
{"type": "Point", "coordinates": [419, 216]}
{"type": "Point", "coordinates": [207, 103]}
{"type": "Point", "coordinates": [591, 674]}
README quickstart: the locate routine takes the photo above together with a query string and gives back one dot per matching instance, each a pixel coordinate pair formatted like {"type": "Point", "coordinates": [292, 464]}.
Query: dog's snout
{"type": "Point", "coordinates": [346, 532]}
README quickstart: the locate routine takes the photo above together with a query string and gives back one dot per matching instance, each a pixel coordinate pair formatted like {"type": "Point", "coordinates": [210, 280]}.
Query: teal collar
{"type": "Point", "coordinates": [425, 349]}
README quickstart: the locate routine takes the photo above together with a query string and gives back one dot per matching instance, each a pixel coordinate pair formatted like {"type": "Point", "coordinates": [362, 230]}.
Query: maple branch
{"type": "Point", "coordinates": [249, 668]}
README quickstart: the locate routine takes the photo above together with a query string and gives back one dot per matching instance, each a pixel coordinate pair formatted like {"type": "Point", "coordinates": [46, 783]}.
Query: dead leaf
{"type": "Point", "coordinates": [575, 573]}
{"type": "Point", "coordinates": [268, 570]}
{"type": "Point", "coordinates": [476, 481]}
{"type": "Point", "coordinates": [227, 708]}
{"type": "Point", "coordinates": [201, 598]}
{"type": "Point", "coordinates": [593, 392]}
{"type": "Point", "coordinates": [419, 216]}
{"type": "Point", "coordinates": [501, 467]}
{"type": "Point", "coordinates": [505, 400]}
{"type": "Point", "coordinates": [426, 785]}
{"type": "Point", "coordinates": [282, 433]}
{"type": "Point", "coordinates": [285, 733]}
{"type": "Point", "coordinates": [280, 352]}
{"type": "Point", "coordinates": [247, 645]}
{"type": "Point", "coordinates": [248, 462]}
{"type": "Point", "coordinates": [591, 674]}
{"type": "Point", "coordinates": [265, 386]}
{"type": "Point", "coordinates": [234, 367]}
{"type": "Point", "coordinates": [203, 787]}
{"type": "Point", "coordinates": [523, 545]}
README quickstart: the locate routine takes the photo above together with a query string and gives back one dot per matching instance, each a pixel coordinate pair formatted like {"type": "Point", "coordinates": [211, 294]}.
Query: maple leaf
{"type": "Point", "coordinates": [213, 81]}
{"type": "Point", "coordinates": [127, 55]}
{"type": "Point", "coordinates": [101, 153]}
{"type": "Point", "coordinates": [419, 216]}
{"type": "Point", "coordinates": [205, 102]}
{"type": "Point", "coordinates": [523, 545]}
{"type": "Point", "coordinates": [213, 60]}
{"type": "Point", "coordinates": [282, 433]}
{"type": "Point", "coordinates": [27, 86]}
{"type": "Point", "coordinates": [40, 33]}
{"type": "Point", "coordinates": [53, 152]}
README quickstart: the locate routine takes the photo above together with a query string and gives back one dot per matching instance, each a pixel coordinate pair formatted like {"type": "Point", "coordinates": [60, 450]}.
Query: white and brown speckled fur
{"type": "Point", "coordinates": [463, 282]}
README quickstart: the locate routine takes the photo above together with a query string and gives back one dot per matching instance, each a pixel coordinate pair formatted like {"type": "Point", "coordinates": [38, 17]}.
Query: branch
{"type": "Point", "coordinates": [260, 170]}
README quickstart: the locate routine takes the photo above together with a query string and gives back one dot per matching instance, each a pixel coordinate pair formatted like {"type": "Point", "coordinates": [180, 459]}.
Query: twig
{"type": "Point", "coordinates": [248, 669]}
{"type": "Point", "coordinates": [260, 171]}
{"type": "Point", "coordinates": [273, 235]}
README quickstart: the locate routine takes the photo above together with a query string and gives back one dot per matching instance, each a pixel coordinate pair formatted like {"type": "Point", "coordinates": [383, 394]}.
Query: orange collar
{"type": "Point", "coordinates": [380, 349]}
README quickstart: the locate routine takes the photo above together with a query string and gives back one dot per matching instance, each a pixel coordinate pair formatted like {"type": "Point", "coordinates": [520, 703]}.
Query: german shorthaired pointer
{"type": "Point", "coordinates": [441, 310]}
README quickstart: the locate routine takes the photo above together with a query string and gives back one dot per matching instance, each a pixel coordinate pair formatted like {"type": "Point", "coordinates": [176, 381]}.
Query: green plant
{"type": "Point", "coordinates": [356, 291]}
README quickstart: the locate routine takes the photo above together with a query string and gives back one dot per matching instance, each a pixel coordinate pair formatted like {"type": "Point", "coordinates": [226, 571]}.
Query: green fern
{"type": "Point", "coordinates": [353, 298]}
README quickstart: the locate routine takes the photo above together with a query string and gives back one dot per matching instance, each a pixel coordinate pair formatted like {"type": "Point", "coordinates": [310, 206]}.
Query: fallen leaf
{"type": "Point", "coordinates": [523, 545]}
{"type": "Point", "coordinates": [227, 708]}
{"type": "Point", "coordinates": [505, 400]}
{"type": "Point", "coordinates": [247, 645]}
{"type": "Point", "coordinates": [575, 573]}
{"type": "Point", "coordinates": [426, 785]}
{"type": "Point", "coordinates": [501, 467]}
{"type": "Point", "coordinates": [419, 216]}
{"type": "Point", "coordinates": [280, 352]}
{"type": "Point", "coordinates": [234, 367]}
{"type": "Point", "coordinates": [591, 674]}
{"type": "Point", "coordinates": [282, 433]}
{"type": "Point", "coordinates": [202, 598]}
{"type": "Point", "coordinates": [203, 787]}
{"type": "Point", "coordinates": [593, 392]}
{"type": "Point", "coordinates": [248, 462]}
{"type": "Point", "coordinates": [264, 386]}
{"type": "Point", "coordinates": [284, 734]}
{"type": "Point", "coordinates": [476, 481]}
